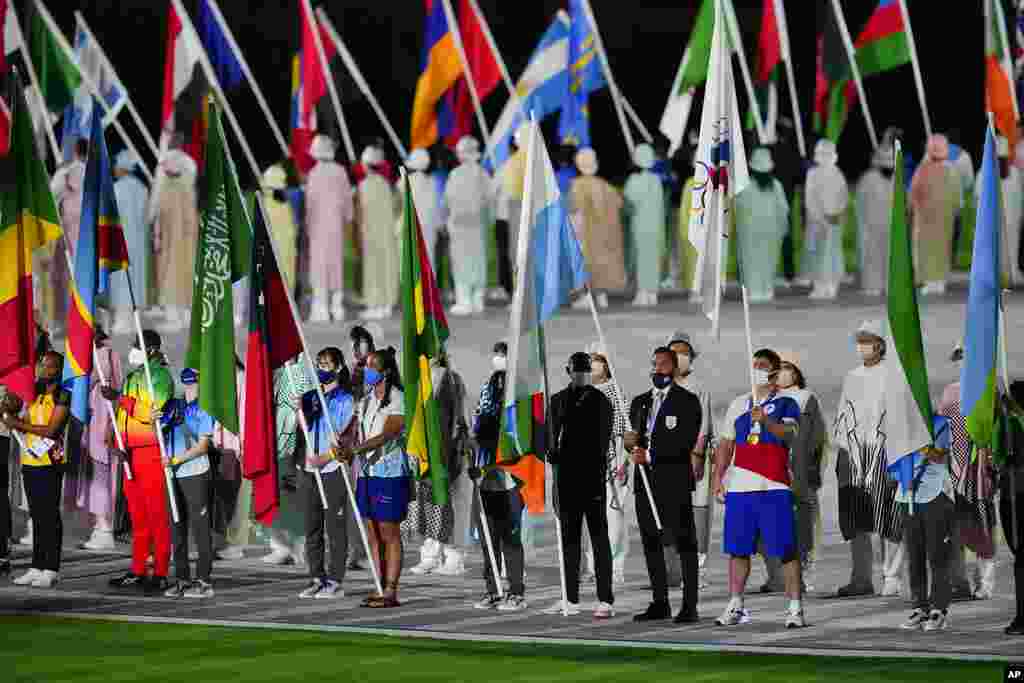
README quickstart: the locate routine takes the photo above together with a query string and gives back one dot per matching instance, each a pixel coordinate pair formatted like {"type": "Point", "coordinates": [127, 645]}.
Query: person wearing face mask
{"type": "Point", "coordinates": [826, 197]}
{"type": "Point", "coordinates": [329, 210]}
{"type": "Point", "coordinates": [934, 195]}
{"type": "Point", "coordinates": [974, 493]}
{"type": "Point", "coordinates": [320, 454]}
{"type": "Point", "coordinates": [188, 431]}
{"type": "Point", "coordinates": [362, 347]}
{"type": "Point", "coordinates": [1013, 209]}
{"type": "Point", "coordinates": [146, 491]}
{"type": "Point", "coordinates": [682, 345]}
{"type": "Point", "coordinates": [762, 219]}
{"type": "Point", "coordinates": [874, 211]}
{"type": "Point", "coordinates": [645, 209]}
{"type": "Point", "coordinates": [470, 206]}
{"type": "Point", "coordinates": [867, 498]}
{"type": "Point", "coordinates": [581, 427]}
{"type": "Point", "coordinates": [805, 456]}
{"type": "Point", "coordinates": [665, 424]}
{"type": "Point", "coordinates": [375, 214]}
{"type": "Point", "coordinates": [755, 439]}
{"type": "Point", "coordinates": [42, 465]}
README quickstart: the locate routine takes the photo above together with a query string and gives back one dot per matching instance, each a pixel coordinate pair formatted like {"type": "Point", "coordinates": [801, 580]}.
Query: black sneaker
{"type": "Point", "coordinates": [1016, 627]}
{"type": "Point", "coordinates": [853, 591]}
{"type": "Point", "coordinates": [687, 615]}
{"type": "Point", "coordinates": [129, 580]}
{"type": "Point", "coordinates": [156, 585]}
{"type": "Point", "coordinates": [656, 611]}
{"type": "Point", "coordinates": [5, 567]}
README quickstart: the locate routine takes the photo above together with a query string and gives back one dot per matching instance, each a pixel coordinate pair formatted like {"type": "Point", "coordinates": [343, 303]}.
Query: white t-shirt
{"type": "Point", "coordinates": [389, 460]}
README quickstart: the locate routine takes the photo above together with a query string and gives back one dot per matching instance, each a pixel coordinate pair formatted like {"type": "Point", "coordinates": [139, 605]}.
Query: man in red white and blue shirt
{"type": "Point", "coordinates": [755, 438]}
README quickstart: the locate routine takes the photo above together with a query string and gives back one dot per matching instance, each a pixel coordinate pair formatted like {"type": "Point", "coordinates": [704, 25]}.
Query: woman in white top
{"type": "Point", "coordinates": [383, 490]}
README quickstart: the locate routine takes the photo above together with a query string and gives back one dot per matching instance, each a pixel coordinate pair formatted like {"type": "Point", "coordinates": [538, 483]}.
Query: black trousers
{"type": "Point", "coordinates": [676, 511]}
{"type": "Point", "coordinates": [1014, 534]}
{"type": "Point", "coordinates": [504, 510]}
{"type": "Point", "coordinates": [194, 512]}
{"type": "Point", "coordinates": [331, 521]}
{"type": "Point", "coordinates": [501, 235]}
{"type": "Point", "coordinates": [5, 501]}
{"type": "Point", "coordinates": [571, 513]}
{"type": "Point", "coordinates": [788, 260]}
{"type": "Point", "coordinates": [43, 486]}
{"type": "Point", "coordinates": [928, 534]}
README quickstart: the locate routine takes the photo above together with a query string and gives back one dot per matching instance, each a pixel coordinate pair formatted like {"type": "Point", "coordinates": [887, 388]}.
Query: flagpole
{"type": "Point", "coordinates": [127, 100]}
{"type": "Point", "coordinates": [490, 544]}
{"type": "Point", "coordinates": [211, 77]}
{"type": "Point", "coordinates": [851, 56]}
{"type": "Point", "coordinates": [787, 59]}
{"type": "Point", "coordinates": [247, 72]}
{"type": "Point", "coordinates": [332, 87]}
{"type": "Point", "coordinates": [305, 432]}
{"type": "Point", "coordinates": [33, 78]}
{"type": "Point", "coordinates": [719, 267]}
{"type": "Point", "coordinates": [622, 404]}
{"type": "Point", "coordinates": [737, 42]}
{"type": "Point", "coordinates": [637, 121]}
{"type": "Point", "coordinates": [916, 65]}
{"type": "Point", "coordinates": [453, 25]}
{"type": "Point", "coordinates": [506, 77]}
{"type": "Point", "coordinates": [323, 405]}
{"type": "Point", "coordinates": [1006, 63]}
{"type": "Point", "coordinates": [44, 14]}
{"type": "Point", "coordinates": [357, 75]}
{"type": "Point", "coordinates": [612, 85]}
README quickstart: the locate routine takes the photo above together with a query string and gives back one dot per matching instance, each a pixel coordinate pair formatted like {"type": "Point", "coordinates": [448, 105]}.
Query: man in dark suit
{"type": "Point", "coordinates": [665, 423]}
{"type": "Point", "coordinates": [581, 425]}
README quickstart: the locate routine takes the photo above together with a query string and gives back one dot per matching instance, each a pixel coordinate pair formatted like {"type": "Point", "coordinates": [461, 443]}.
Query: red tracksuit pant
{"type": "Point", "coordinates": [147, 506]}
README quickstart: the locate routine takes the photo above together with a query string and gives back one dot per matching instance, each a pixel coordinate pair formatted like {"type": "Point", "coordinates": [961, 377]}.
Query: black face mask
{"type": "Point", "coordinates": [886, 172]}
{"type": "Point", "coordinates": [762, 179]}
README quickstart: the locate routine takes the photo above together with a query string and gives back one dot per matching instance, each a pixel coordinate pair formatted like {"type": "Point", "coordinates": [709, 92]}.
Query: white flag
{"type": "Point", "coordinates": [720, 172]}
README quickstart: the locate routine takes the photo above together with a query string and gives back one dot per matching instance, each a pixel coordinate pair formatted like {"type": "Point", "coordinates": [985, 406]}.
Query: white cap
{"type": "Point", "coordinates": [322, 148]}
{"type": "Point", "coordinates": [371, 155]}
{"type": "Point", "coordinates": [467, 149]}
{"type": "Point", "coordinates": [418, 160]}
{"type": "Point", "coordinates": [275, 178]}
{"type": "Point", "coordinates": [825, 153]}
{"type": "Point", "coordinates": [586, 161]}
{"type": "Point", "coordinates": [643, 156]}
{"type": "Point", "coordinates": [761, 160]}
{"type": "Point", "coordinates": [876, 328]}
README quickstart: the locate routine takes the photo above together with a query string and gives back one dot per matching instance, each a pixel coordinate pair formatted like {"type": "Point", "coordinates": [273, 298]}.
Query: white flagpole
{"type": "Point", "coordinates": [247, 72]}
{"type": "Point", "coordinates": [211, 77]}
{"type": "Point", "coordinates": [332, 87]}
{"type": "Point", "coordinates": [357, 76]}
{"type": "Point", "coordinates": [637, 121]}
{"type": "Point", "coordinates": [918, 81]}
{"type": "Point", "coordinates": [309, 439]}
{"type": "Point", "coordinates": [490, 544]}
{"type": "Point", "coordinates": [736, 38]}
{"type": "Point", "coordinates": [330, 423]}
{"type": "Point", "coordinates": [851, 56]}
{"type": "Point", "coordinates": [127, 99]}
{"type": "Point", "coordinates": [44, 14]}
{"type": "Point", "coordinates": [33, 78]}
{"type": "Point", "coordinates": [453, 26]}
{"type": "Point", "coordinates": [616, 93]}
{"type": "Point", "coordinates": [787, 59]}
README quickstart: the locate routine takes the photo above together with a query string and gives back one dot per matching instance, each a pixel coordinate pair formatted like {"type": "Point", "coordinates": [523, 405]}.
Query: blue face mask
{"type": "Point", "coordinates": [326, 376]}
{"type": "Point", "coordinates": [660, 381]}
{"type": "Point", "coordinates": [372, 377]}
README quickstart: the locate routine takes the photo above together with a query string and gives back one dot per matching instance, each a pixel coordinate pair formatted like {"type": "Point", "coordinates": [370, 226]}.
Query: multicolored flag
{"type": "Point", "coordinates": [441, 68]}
{"type": "Point", "coordinates": [101, 250]}
{"type": "Point", "coordinates": [1000, 96]}
{"type": "Point", "coordinates": [185, 88]}
{"type": "Point", "coordinates": [424, 332]}
{"type": "Point", "coordinates": [274, 339]}
{"type": "Point", "coordinates": [550, 266]}
{"type": "Point", "coordinates": [720, 172]}
{"type": "Point", "coordinates": [455, 110]}
{"type": "Point", "coordinates": [223, 252]}
{"type": "Point", "coordinates": [909, 418]}
{"type": "Point", "coordinates": [769, 63]}
{"type": "Point", "coordinates": [586, 76]}
{"type": "Point", "coordinates": [882, 44]}
{"type": "Point", "coordinates": [29, 221]}
{"type": "Point", "coordinates": [978, 386]}
{"type": "Point", "coordinates": [225, 63]}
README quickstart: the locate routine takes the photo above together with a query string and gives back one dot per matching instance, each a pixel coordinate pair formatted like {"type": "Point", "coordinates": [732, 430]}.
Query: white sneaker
{"type": "Point", "coordinates": [100, 540]}
{"type": "Point", "coordinates": [891, 588]}
{"type": "Point", "coordinates": [28, 577]}
{"type": "Point", "coordinates": [177, 589]}
{"type": "Point", "coordinates": [454, 564]}
{"type": "Point", "coordinates": [311, 591]}
{"type": "Point", "coordinates": [232, 552]}
{"type": "Point", "coordinates": [426, 566]}
{"type": "Point", "coordinates": [915, 621]}
{"type": "Point", "coordinates": [602, 300]}
{"type": "Point", "coordinates": [733, 616]}
{"type": "Point", "coordinates": [513, 603]}
{"type": "Point", "coordinates": [937, 621]}
{"type": "Point", "coordinates": [489, 601]}
{"type": "Point", "coordinates": [572, 609]}
{"type": "Point", "coordinates": [331, 591]}
{"type": "Point", "coordinates": [603, 611]}
{"type": "Point", "coordinates": [581, 304]}
{"type": "Point", "coordinates": [795, 619]}
{"type": "Point", "coordinates": [46, 579]}
{"type": "Point", "coordinates": [278, 556]}
{"type": "Point", "coordinates": [497, 294]}
{"type": "Point", "coordinates": [461, 309]}
{"type": "Point", "coordinates": [199, 590]}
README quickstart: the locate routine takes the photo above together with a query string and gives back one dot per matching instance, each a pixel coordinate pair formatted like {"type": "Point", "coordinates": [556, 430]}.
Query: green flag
{"type": "Point", "coordinates": [59, 77]}
{"type": "Point", "coordinates": [222, 258]}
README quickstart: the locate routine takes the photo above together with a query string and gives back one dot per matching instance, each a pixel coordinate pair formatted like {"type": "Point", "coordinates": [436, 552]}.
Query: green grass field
{"type": "Point", "coordinates": [46, 649]}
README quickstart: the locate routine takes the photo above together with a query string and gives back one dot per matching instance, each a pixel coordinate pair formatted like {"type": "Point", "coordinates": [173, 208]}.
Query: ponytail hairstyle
{"type": "Point", "coordinates": [386, 358]}
{"type": "Point", "coordinates": [338, 360]}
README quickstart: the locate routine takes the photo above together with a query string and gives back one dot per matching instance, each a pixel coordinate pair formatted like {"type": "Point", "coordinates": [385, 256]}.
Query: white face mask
{"type": "Point", "coordinates": [866, 351]}
{"type": "Point", "coordinates": [762, 377]}
{"type": "Point", "coordinates": [787, 378]}
{"type": "Point", "coordinates": [500, 363]}
{"type": "Point", "coordinates": [683, 361]}
{"type": "Point", "coordinates": [136, 356]}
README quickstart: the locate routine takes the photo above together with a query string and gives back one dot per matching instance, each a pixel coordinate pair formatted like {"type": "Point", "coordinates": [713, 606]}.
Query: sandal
{"type": "Point", "coordinates": [372, 600]}
{"type": "Point", "coordinates": [385, 603]}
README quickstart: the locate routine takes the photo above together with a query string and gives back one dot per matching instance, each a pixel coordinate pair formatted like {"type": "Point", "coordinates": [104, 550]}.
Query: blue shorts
{"type": "Point", "coordinates": [764, 515]}
{"type": "Point", "coordinates": [383, 499]}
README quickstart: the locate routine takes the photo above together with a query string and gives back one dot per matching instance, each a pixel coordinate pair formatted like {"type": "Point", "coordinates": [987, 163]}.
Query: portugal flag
{"type": "Point", "coordinates": [273, 339]}
{"type": "Point", "coordinates": [29, 220]}
{"type": "Point", "coordinates": [424, 331]}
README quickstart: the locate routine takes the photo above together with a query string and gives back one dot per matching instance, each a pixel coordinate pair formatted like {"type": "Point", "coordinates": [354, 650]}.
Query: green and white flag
{"type": "Point", "coordinates": [223, 251]}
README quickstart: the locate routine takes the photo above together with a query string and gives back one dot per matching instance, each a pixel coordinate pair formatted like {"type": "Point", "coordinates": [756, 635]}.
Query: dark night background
{"type": "Point", "coordinates": [645, 41]}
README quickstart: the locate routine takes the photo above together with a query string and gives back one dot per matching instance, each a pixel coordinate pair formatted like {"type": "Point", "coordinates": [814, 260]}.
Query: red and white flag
{"type": "Point", "coordinates": [185, 88]}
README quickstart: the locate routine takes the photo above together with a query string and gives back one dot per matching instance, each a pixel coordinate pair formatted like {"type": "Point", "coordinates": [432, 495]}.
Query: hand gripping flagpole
{"type": "Point", "coordinates": [622, 405]}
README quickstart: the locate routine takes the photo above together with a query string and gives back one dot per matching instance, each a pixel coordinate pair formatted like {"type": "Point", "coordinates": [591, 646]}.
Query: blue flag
{"type": "Point", "coordinates": [586, 75]}
{"type": "Point", "coordinates": [77, 119]}
{"type": "Point", "coordinates": [218, 46]}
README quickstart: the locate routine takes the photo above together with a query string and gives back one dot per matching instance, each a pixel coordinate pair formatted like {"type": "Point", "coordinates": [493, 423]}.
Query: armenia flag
{"type": "Point", "coordinates": [28, 220]}
{"type": "Point", "coordinates": [101, 249]}
{"type": "Point", "coordinates": [441, 69]}
{"type": "Point", "coordinates": [424, 332]}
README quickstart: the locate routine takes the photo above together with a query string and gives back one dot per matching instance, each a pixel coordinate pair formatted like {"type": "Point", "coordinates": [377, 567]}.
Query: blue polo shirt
{"type": "Point", "coordinates": [761, 466]}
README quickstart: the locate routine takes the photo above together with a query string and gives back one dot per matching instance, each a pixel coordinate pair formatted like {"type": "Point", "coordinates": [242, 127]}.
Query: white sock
{"type": "Point", "coordinates": [736, 602]}
{"type": "Point", "coordinates": [795, 606]}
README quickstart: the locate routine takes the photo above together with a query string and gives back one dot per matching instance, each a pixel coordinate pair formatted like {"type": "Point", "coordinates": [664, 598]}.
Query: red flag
{"type": "Point", "coordinates": [185, 87]}
{"type": "Point", "coordinates": [483, 64]}
{"type": "Point", "coordinates": [274, 339]}
{"type": "Point", "coordinates": [309, 87]}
